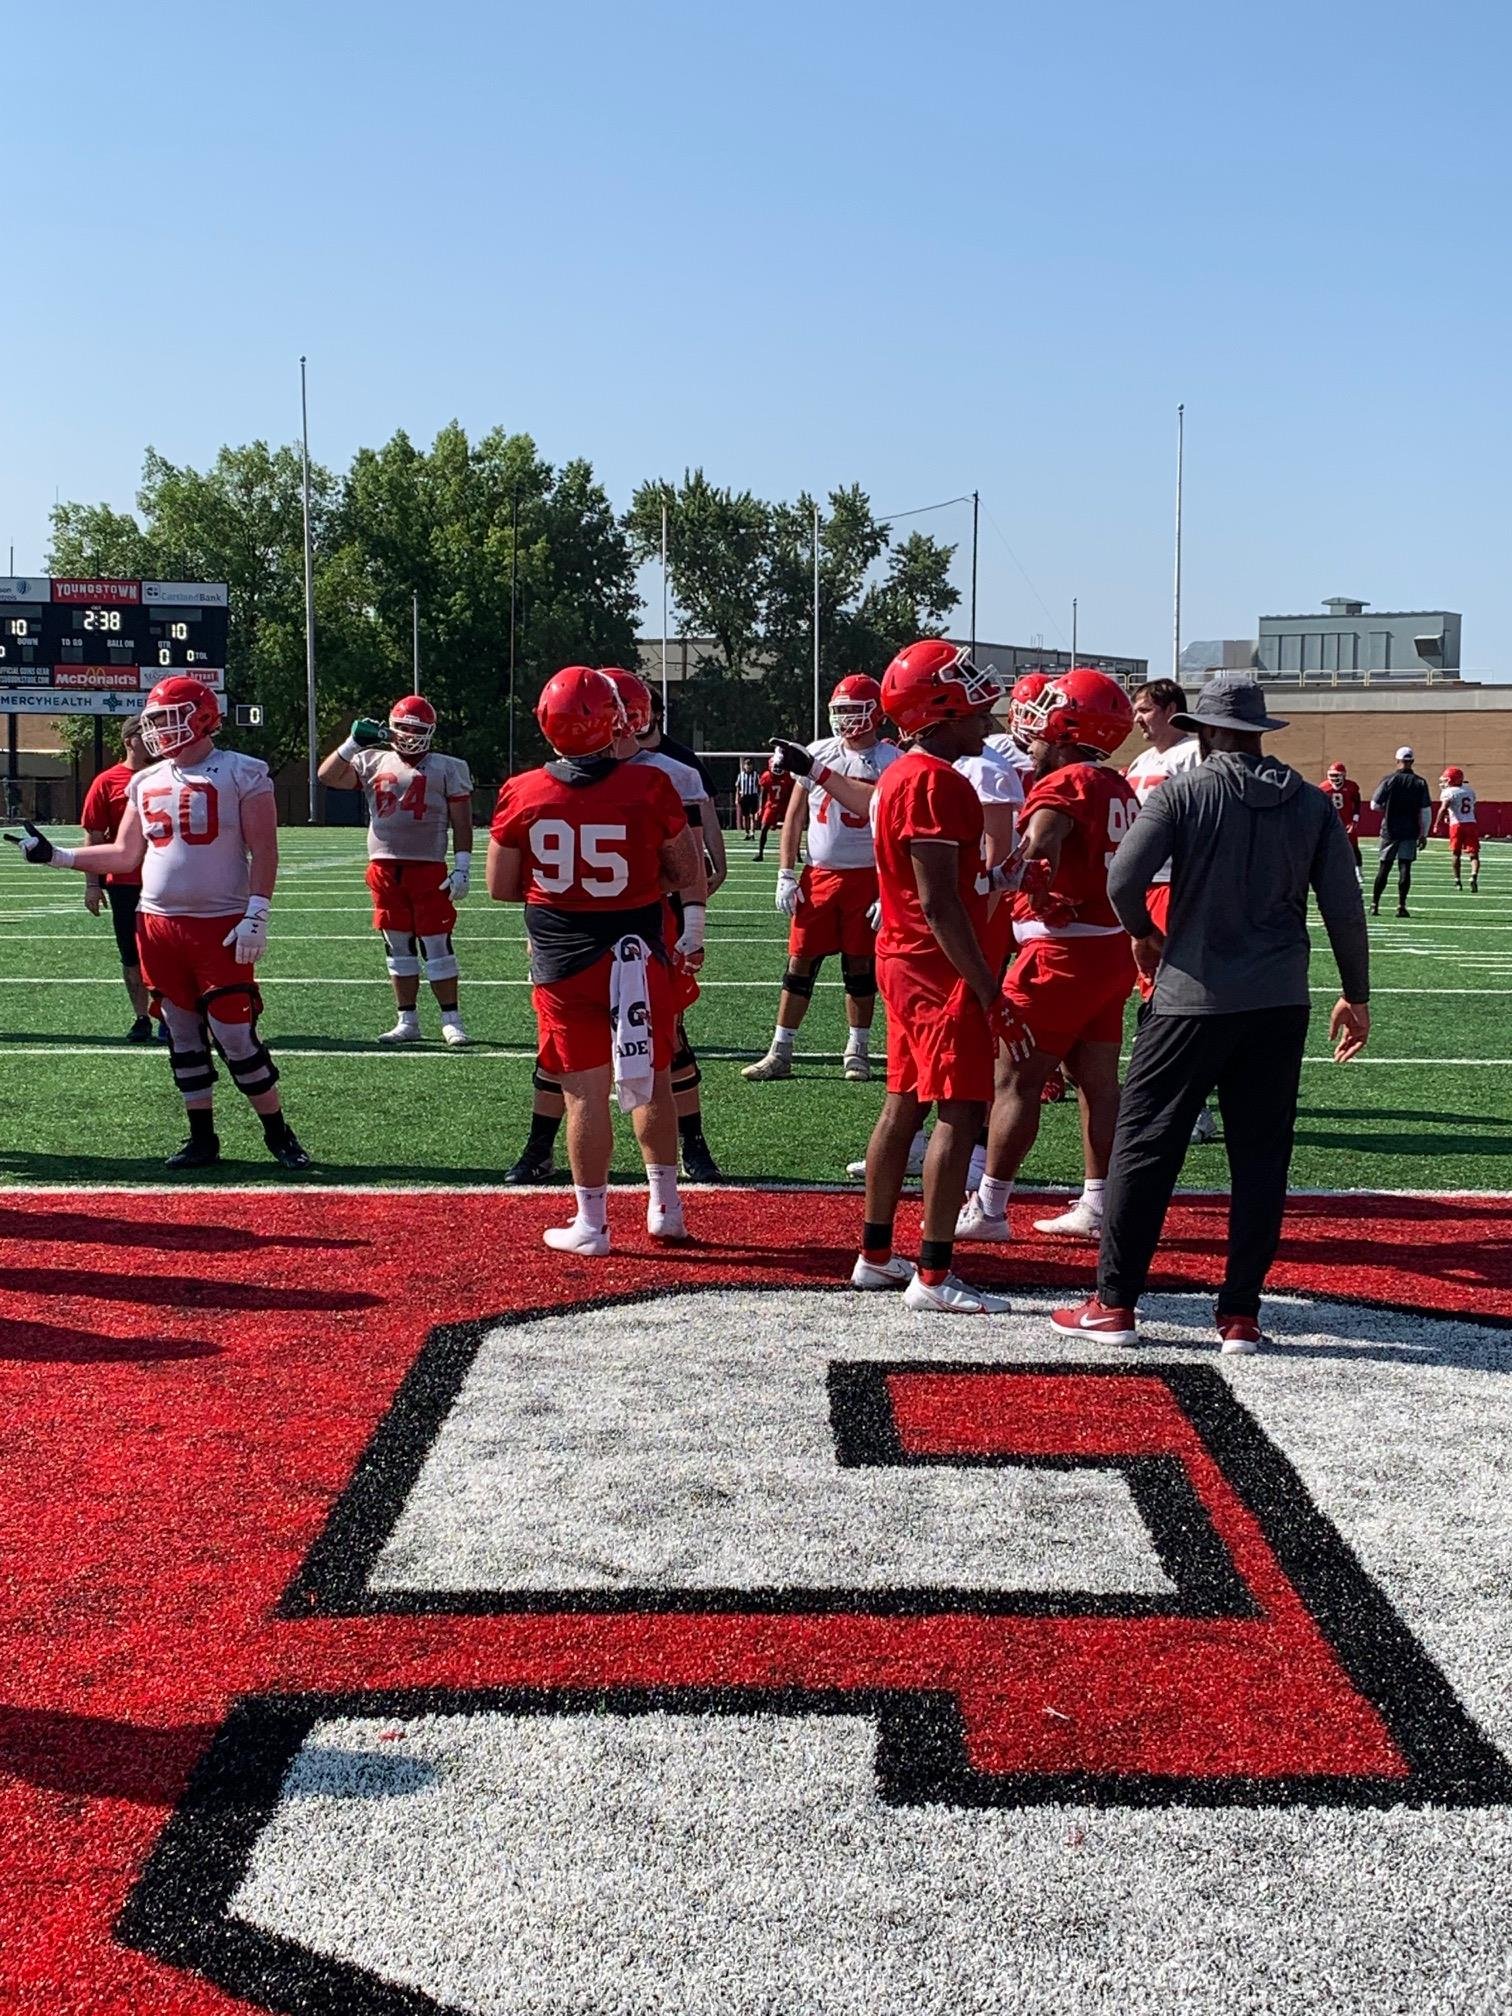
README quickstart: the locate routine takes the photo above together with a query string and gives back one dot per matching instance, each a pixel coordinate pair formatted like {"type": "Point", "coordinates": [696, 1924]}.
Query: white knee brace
{"type": "Point", "coordinates": [440, 959]}
{"type": "Point", "coordinates": [403, 960]}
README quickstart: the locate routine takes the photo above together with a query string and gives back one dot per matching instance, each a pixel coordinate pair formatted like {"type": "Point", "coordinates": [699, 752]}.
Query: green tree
{"type": "Point", "coordinates": [742, 571]}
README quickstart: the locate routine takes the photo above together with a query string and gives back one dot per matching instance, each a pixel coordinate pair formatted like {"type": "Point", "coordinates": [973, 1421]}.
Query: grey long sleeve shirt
{"type": "Point", "coordinates": [1246, 837]}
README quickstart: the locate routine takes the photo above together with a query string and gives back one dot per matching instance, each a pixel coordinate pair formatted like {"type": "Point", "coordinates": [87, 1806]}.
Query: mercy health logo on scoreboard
{"type": "Point", "coordinates": [74, 589]}
{"type": "Point", "coordinates": [47, 700]}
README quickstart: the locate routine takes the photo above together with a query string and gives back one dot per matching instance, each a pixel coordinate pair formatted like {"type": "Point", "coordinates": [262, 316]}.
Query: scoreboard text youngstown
{"type": "Point", "coordinates": [72, 646]}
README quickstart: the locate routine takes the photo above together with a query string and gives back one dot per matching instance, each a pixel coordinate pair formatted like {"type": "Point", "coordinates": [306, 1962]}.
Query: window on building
{"type": "Point", "coordinates": [1380, 651]}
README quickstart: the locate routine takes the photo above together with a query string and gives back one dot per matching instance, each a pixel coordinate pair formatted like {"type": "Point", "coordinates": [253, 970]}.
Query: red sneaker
{"type": "Point", "coordinates": [1093, 1319]}
{"type": "Point", "coordinates": [1241, 1335]}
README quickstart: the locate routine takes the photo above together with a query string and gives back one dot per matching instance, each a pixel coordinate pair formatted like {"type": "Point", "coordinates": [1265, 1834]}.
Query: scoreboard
{"type": "Point", "coordinates": [79, 646]}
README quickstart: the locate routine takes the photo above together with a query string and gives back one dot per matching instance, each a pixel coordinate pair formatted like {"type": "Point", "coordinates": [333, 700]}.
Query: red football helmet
{"type": "Point", "coordinates": [580, 711]}
{"type": "Point", "coordinates": [855, 705]}
{"type": "Point", "coordinates": [1026, 690]}
{"type": "Point", "coordinates": [1453, 775]}
{"type": "Point", "coordinates": [1337, 774]}
{"type": "Point", "coordinates": [411, 724]}
{"type": "Point", "coordinates": [935, 680]}
{"type": "Point", "coordinates": [1084, 707]}
{"type": "Point", "coordinates": [178, 711]}
{"type": "Point", "coordinates": [635, 697]}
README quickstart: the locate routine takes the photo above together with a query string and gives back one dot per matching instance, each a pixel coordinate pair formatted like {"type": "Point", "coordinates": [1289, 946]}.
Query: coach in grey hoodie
{"type": "Point", "coordinates": [1247, 838]}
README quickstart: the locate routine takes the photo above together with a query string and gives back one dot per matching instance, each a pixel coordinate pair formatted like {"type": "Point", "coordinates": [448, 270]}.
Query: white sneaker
{"type": "Point", "coordinates": [896, 1274]}
{"type": "Point", "coordinates": [775, 1064]}
{"type": "Point", "coordinates": [669, 1224]}
{"type": "Point", "coordinates": [454, 1036]}
{"type": "Point", "coordinates": [975, 1223]}
{"type": "Point", "coordinates": [857, 1068]}
{"type": "Point", "coordinates": [405, 1030]}
{"type": "Point", "coordinates": [1080, 1222]}
{"type": "Point", "coordinates": [1205, 1130]}
{"type": "Point", "coordinates": [577, 1238]}
{"type": "Point", "coordinates": [914, 1169]}
{"type": "Point", "coordinates": [952, 1297]}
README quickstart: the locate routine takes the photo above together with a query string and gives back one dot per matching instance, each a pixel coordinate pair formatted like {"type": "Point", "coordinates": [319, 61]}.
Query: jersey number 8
{"type": "Point", "coordinates": [563, 856]}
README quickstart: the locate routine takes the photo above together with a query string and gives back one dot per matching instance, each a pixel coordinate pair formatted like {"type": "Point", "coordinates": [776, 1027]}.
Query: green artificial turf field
{"type": "Point", "coordinates": [1428, 1107]}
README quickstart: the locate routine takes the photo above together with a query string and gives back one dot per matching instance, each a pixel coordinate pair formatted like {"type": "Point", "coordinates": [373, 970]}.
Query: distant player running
{"type": "Point", "coordinates": [417, 799]}
{"type": "Point", "coordinates": [201, 826]}
{"type": "Point", "coordinates": [1456, 806]}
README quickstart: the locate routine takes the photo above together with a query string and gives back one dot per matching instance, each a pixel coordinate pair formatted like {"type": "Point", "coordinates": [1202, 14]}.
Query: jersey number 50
{"type": "Point", "coordinates": [564, 855]}
{"type": "Point", "coordinates": [198, 815]}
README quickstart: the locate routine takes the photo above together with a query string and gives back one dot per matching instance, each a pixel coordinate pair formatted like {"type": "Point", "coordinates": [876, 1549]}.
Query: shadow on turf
{"type": "Point", "coordinates": [47, 1344]}
{"type": "Point", "coordinates": [191, 1291]}
{"type": "Point", "coordinates": [90, 1757]}
{"type": "Point", "coordinates": [86, 1229]}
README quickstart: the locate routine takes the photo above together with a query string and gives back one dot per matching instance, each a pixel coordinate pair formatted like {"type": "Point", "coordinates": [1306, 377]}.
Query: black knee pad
{"type": "Point", "coordinates": [193, 1070]}
{"type": "Point", "coordinates": [541, 1083]}
{"type": "Point", "coordinates": [254, 1074]}
{"type": "Point", "coordinates": [859, 977]}
{"type": "Point", "coordinates": [801, 984]}
{"type": "Point", "coordinates": [685, 1072]}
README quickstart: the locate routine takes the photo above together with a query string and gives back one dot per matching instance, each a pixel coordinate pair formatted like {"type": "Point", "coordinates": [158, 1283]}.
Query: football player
{"type": "Point", "coordinates": [591, 846]}
{"type": "Point", "coordinates": [776, 790]}
{"type": "Point", "coordinates": [1013, 746]}
{"type": "Point", "coordinates": [945, 1016]}
{"type": "Point", "coordinates": [829, 904]}
{"type": "Point", "coordinates": [688, 908]}
{"type": "Point", "coordinates": [417, 800]}
{"type": "Point", "coordinates": [1339, 787]}
{"type": "Point", "coordinates": [104, 808]}
{"type": "Point", "coordinates": [201, 826]}
{"type": "Point", "coordinates": [1075, 968]}
{"type": "Point", "coordinates": [1457, 806]}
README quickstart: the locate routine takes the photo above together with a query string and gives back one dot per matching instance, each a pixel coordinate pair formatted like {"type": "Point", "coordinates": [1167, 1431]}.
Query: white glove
{"type": "Point", "coordinates": [250, 936]}
{"type": "Point", "coordinates": [874, 915]}
{"type": "Point", "coordinates": [691, 942]}
{"type": "Point", "coordinates": [1006, 874]}
{"type": "Point", "coordinates": [460, 879]}
{"type": "Point", "coordinates": [789, 895]}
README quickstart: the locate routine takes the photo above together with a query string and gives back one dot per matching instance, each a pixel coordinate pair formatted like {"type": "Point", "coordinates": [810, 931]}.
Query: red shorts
{"type": "Point", "coordinates": [1464, 839]}
{"type": "Point", "coordinates": [997, 938]}
{"type": "Point", "coordinates": [575, 1031]}
{"type": "Point", "coordinates": [773, 815]}
{"type": "Point", "coordinates": [408, 896]}
{"type": "Point", "coordinates": [1158, 903]}
{"type": "Point", "coordinates": [1072, 990]}
{"type": "Point", "coordinates": [832, 916]}
{"type": "Point", "coordinates": [938, 1042]}
{"type": "Point", "coordinates": [184, 961]}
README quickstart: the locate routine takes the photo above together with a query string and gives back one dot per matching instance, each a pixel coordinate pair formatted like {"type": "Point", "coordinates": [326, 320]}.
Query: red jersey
{"type": "Point", "coordinates": [1102, 807]}
{"type": "Point", "coordinates": [104, 802]}
{"type": "Point", "coordinates": [594, 845]}
{"type": "Point", "coordinates": [1345, 799]}
{"type": "Point", "coordinates": [776, 789]}
{"type": "Point", "coordinates": [921, 797]}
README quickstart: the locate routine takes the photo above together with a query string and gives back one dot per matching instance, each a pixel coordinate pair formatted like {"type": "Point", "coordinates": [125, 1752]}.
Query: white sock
{"type": "Point", "coordinates": [1092, 1193]}
{"type": "Point", "coordinates": [451, 1015]}
{"type": "Point", "coordinates": [783, 1039]}
{"type": "Point", "coordinates": [409, 1014]}
{"type": "Point", "coordinates": [858, 1043]}
{"type": "Point", "coordinates": [661, 1179]}
{"type": "Point", "coordinates": [994, 1193]}
{"type": "Point", "coordinates": [977, 1169]}
{"type": "Point", "coordinates": [591, 1204]}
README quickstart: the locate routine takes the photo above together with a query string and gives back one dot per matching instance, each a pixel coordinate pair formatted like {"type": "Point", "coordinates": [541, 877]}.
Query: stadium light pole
{"type": "Point", "coordinates": [664, 610]}
{"type": "Point", "coordinates": [514, 576]}
{"type": "Point", "coordinates": [415, 638]}
{"type": "Point", "coordinates": [1073, 630]}
{"type": "Point", "coordinates": [816, 622]}
{"type": "Point", "coordinates": [976, 512]}
{"type": "Point", "coordinates": [309, 588]}
{"type": "Point", "coordinates": [1176, 592]}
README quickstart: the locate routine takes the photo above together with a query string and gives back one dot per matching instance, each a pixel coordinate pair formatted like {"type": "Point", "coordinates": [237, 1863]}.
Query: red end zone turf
{"type": "Point", "coordinates": [188, 1382]}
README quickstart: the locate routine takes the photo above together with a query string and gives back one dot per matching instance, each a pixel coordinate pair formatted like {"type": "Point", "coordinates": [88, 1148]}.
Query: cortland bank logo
{"type": "Point", "coordinates": [714, 1545]}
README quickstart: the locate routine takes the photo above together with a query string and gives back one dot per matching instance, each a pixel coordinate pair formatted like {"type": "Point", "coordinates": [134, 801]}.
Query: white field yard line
{"type": "Point", "coordinates": [500, 1053]}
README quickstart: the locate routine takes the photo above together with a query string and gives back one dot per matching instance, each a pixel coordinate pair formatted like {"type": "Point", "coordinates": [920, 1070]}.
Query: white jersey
{"type": "Point", "coordinates": [686, 781]}
{"type": "Point", "coordinates": [190, 814]}
{"type": "Point", "coordinates": [995, 778]}
{"type": "Point", "coordinates": [1458, 800]}
{"type": "Point", "coordinates": [837, 838]}
{"type": "Point", "coordinates": [1152, 767]}
{"type": "Point", "coordinates": [409, 802]}
{"type": "Point", "coordinates": [1009, 750]}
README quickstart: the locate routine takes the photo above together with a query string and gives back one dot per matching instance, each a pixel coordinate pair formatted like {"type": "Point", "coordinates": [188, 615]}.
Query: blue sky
{"type": "Point", "coordinates": [928, 249]}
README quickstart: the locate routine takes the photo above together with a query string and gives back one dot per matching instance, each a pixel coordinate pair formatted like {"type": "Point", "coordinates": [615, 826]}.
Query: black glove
{"type": "Point", "coordinates": [35, 846]}
{"type": "Point", "coordinates": [790, 757]}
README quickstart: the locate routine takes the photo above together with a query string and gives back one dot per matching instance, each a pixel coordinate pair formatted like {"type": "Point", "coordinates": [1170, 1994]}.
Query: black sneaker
{"type": "Point", "coordinates": [140, 1030]}
{"type": "Point", "coordinates": [289, 1154]}
{"type": "Point", "coordinates": [699, 1165]}
{"type": "Point", "coordinates": [196, 1154]}
{"type": "Point", "coordinates": [530, 1169]}
{"type": "Point", "coordinates": [1404, 913]}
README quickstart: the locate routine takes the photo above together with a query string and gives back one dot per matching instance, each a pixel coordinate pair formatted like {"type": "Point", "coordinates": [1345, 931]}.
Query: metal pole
{"type": "Point", "coordinates": [514, 576]}
{"type": "Point", "coordinates": [1176, 594]}
{"type": "Point", "coordinates": [664, 611]}
{"type": "Point", "coordinates": [1073, 630]}
{"type": "Point", "coordinates": [415, 640]}
{"type": "Point", "coordinates": [309, 585]}
{"type": "Point", "coordinates": [976, 512]}
{"type": "Point", "coordinates": [816, 622]}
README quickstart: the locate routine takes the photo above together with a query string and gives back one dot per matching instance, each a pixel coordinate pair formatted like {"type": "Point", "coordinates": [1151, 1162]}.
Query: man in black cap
{"type": "Point", "coordinates": [1406, 808]}
{"type": "Point", "coordinates": [1247, 838]}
